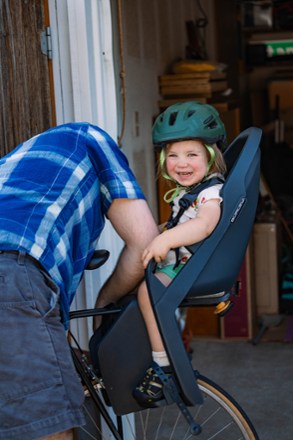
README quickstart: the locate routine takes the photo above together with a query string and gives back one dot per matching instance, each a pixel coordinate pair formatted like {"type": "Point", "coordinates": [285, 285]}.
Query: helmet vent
{"type": "Point", "coordinates": [172, 118]}
{"type": "Point", "coordinates": [211, 123]}
{"type": "Point", "coordinates": [190, 113]}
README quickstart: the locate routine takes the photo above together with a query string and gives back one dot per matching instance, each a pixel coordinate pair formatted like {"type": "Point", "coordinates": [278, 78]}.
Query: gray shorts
{"type": "Point", "coordinates": [40, 393]}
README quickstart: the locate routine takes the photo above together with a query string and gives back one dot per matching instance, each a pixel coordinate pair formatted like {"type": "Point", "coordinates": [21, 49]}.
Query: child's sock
{"type": "Point", "coordinates": [161, 358]}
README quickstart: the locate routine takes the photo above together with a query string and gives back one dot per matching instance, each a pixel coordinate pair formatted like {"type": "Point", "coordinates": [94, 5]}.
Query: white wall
{"type": "Point", "coordinates": [154, 36]}
{"type": "Point", "coordinates": [84, 85]}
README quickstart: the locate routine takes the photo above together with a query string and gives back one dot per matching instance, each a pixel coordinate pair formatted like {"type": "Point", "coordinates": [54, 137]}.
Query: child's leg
{"type": "Point", "coordinates": [159, 353]}
{"type": "Point", "coordinates": [150, 390]}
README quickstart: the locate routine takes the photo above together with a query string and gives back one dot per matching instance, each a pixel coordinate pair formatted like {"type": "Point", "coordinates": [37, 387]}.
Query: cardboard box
{"type": "Point", "coordinates": [266, 253]}
{"type": "Point", "coordinates": [284, 89]}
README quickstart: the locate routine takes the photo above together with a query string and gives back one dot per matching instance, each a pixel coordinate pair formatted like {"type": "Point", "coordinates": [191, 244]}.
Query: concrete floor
{"type": "Point", "coordinates": [259, 377]}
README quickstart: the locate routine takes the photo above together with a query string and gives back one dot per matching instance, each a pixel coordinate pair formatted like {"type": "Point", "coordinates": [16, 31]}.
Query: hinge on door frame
{"type": "Point", "coordinates": [46, 42]}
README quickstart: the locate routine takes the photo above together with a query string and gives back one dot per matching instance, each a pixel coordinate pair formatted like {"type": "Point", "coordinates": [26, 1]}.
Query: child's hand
{"type": "Point", "coordinates": [157, 250]}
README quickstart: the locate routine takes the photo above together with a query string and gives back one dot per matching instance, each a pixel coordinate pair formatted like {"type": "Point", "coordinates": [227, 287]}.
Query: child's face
{"type": "Point", "coordinates": [186, 162]}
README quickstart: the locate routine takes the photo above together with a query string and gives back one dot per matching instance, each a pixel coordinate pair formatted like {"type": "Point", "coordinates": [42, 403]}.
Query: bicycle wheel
{"type": "Point", "coordinates": [92, 429]}
{"type": "Point", "coordinates": [220, 417]}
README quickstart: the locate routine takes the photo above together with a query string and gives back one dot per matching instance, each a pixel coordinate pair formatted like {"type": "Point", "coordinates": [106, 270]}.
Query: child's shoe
{"type": "Point", "coordinates": [150, 390]}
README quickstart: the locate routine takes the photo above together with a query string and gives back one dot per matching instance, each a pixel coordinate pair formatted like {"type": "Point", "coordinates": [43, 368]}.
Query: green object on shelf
{"type": "Point", "coordinates": [279, 48]}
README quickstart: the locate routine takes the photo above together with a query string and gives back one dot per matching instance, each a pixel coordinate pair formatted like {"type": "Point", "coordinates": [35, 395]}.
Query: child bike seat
{"type": "Point", "coordinates": [211, 271]}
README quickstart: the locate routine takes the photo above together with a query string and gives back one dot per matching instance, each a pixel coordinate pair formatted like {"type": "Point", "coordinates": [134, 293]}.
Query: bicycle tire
{"type": "Point", "coordinates": [220, 417]}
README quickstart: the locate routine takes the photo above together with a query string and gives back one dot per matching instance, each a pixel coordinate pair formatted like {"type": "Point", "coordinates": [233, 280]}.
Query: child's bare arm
{"type": "Point", "coordinates": [184, 234]}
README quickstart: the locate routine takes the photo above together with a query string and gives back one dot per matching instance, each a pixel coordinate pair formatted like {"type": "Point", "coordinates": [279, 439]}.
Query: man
{"type": "Point", "coordinates": [56, 190]}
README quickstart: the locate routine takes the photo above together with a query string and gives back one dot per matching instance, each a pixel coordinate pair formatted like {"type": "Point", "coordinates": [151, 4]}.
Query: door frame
{"type": "Point", "coordinates": [84, 90]}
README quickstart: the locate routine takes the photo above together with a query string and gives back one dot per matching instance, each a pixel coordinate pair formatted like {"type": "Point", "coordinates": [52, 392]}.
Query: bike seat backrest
{"type": "Point", "coordinates": [216, 261]}
{"type": "Point", "coordinates": [221, 254]}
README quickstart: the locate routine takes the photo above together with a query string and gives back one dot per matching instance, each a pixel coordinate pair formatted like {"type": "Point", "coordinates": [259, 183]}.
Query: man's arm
{"type": "Point", "coordinates": [133, 221]}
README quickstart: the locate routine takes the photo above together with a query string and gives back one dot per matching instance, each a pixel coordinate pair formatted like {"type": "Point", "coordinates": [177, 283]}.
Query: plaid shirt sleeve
{"type": "Point", "coordinates": [117, 181]}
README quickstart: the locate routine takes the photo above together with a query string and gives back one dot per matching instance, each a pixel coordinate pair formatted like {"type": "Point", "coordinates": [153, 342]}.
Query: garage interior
{"type": "Point", "coordinates": [237, 56]}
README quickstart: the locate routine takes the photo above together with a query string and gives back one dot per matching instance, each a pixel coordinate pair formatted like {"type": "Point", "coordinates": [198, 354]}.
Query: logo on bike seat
{"type": "Point", "coordinates": [238, 209]}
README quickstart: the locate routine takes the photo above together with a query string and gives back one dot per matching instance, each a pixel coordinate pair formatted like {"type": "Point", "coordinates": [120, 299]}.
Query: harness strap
{"type": "Point", "coordinates": [186, 201]}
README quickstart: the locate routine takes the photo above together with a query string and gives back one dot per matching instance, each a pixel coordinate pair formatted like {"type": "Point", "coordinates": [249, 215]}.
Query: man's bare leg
{"type": "Point", "coordinates": [65, 435]}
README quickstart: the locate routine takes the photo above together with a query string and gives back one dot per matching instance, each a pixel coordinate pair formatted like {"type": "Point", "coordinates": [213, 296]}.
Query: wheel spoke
{"type": "Point", "coordinates": [219, 416]}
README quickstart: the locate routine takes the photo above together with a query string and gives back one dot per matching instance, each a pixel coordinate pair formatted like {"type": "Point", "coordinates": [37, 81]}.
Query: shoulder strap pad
{"type": "Point", "coordinates": [192, 195]}
{"type": "Point", "coordinates": [186, 201]}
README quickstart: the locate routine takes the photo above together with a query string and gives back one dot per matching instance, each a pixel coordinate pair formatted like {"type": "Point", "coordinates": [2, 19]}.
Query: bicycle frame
{"type": "Point", "coordinates": [88, 376]}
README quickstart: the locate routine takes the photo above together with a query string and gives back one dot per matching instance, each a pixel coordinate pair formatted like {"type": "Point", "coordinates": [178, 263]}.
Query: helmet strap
{"type": "Point", "coordinates": [162, 163]}
{"type": "Point", "coordinates": [212, 157]}
{"type": "Point", "coordinates": [172, 193]}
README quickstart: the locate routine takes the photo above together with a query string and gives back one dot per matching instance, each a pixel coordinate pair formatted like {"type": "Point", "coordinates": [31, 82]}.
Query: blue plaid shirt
{"type": "Point", "coordinates": [55, 190]}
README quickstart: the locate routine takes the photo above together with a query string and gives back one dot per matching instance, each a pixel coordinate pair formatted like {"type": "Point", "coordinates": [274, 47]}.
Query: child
{"type": "Point", "coordinates": [190, 135]}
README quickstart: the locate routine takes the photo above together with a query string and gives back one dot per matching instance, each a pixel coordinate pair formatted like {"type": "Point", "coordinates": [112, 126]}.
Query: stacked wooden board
{"type": "Point", "coordinates": [202, 86]}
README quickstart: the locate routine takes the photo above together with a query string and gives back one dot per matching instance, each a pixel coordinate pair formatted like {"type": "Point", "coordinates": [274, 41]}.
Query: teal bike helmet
{"type": "Point", "coordinates": [189, 120]}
